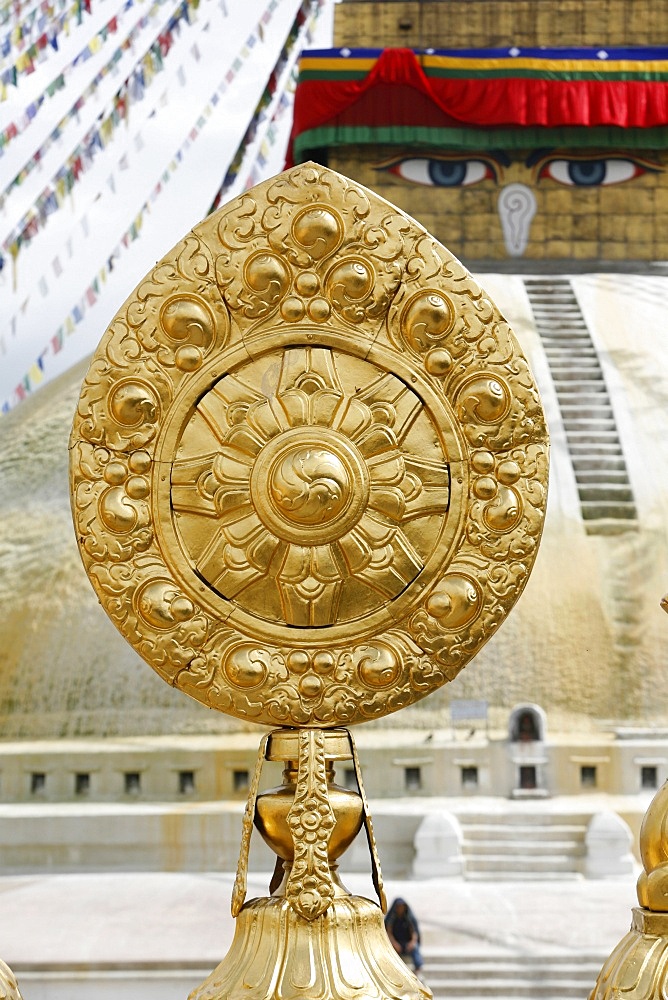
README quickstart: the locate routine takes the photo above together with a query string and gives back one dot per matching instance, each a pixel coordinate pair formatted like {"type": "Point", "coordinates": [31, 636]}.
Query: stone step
{"type": "Point", "coordinates": [546, 318]}
{"type": "Point", "coordinates": [546, 312]}
{"type": "Point", "coordinates": [554, 335]}
{"type": "Point", "coordinates": [518, 814]}
{"type": "Point", "coordinates": [508, 969]}
{"type": "Point", "coordinates": [564, 334]}
{"type": "Point", "coordinates": [522, 848]}
{"type": "Point", "coordinates": [595, 387]}
{"type": "Point", "coordinates": [599, 477]}
{"type": "Point", "coordinates": [568, 965]}
{"type": "Point", "coordinates": [608, 464]}
{"type": "Point", "coordinates": [583, 435]}
{"type": "Point", "coordinates": [583, 368]}
{"type": "Point", "coordinates": [583, 422]}
{"type": "Point", "coordinates": [566, 337]}
{"type": "Point", "coordinates": [590, 430]}
{"type": "Point", "coordinates": [598, 510]}
{"type": "Point", "coordinates": [570, 346]}
{"type": "Point", "coordinates": [605, 492]}
{"type": "Point", "coordinates": [566, 374]}
{"type": "Point", "coordinates": [582, 411]}
{"type": "Point", "coordinates": [562, 320]}
{"type": "Point", "coordinates": [610, 526]}
{"type": "Point", "coordinates": [563, 326]}
{"type": "Point", "coordinates": [444, 957]}
{"type": "Point", "coordinates": [576, 399]}
{"type": "Point", "coordinates": [586, 449]}
{"type": "Point", "coordinates": [527, 831]}
{"type": "Point", "coordinates": [571, 357]}
{"type": "Point", "coordinates": [497, 863]}
{"type": "Point", "coordinates": [523, 876]}
{"type": "Point", "coordinates": [547, 306]}
{"type": "Point", "coordinates": [516, 989]}
{"type": "Point", "coordinates": [454, 978]}
{"type": "Point", "coordinates": [549, 299]}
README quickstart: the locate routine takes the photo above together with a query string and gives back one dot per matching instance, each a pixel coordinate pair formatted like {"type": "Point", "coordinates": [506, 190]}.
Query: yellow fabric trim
{"type": "Point", "coordinates": [553, 65]}
{"type": "Point", "coordinates": [340, 63]}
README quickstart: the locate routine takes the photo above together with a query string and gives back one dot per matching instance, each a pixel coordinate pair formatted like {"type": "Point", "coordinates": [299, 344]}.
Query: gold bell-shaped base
{"type": "Point", "coordinates": [637, 969]}
{"type": "Point", "coordinates": [310, 939]}
{"type": "Point", "coordinates": [345, 953]}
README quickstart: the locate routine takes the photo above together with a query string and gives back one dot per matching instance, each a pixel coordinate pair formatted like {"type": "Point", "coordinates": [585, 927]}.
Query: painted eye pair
{"type": "Point", "coordinates": [435, 171]}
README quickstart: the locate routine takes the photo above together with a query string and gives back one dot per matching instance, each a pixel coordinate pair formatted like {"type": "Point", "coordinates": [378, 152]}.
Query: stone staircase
{"type": "Point", "coordinates": [511, 977]}
{"type": "Point", "coordinates": [606, 497]}
{"type": "Point", "coordinates": [522, 845]}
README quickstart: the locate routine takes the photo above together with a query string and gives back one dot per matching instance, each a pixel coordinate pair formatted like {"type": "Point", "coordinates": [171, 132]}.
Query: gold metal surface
{"type": "Point", "coordinates": [9, 989]}
{"type": "Point", "coordinates": [310, 934]}
{"type": "Point", "coordinates": [376, 873]}
{"type": "Point", "coordinates": [241, 880]}
{"type": "Point", "coordinates": [309, 462]}
{"type": "Point", "coordinates": [638, 967]}
{"type": "Point", "coordinates": [273, 806]}
{"type": "Point", "coordinates": [653, 881]}
{"type": "Point", "coordinates": [345, 954]}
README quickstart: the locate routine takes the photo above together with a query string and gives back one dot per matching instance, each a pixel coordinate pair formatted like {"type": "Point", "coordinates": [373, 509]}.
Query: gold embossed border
{"type": "Point", "coordinates": [308, 259]}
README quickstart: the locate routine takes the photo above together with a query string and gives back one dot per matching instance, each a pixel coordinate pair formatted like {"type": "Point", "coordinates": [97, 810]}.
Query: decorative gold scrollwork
{"type": "Point", "coordinates": [310, 889]}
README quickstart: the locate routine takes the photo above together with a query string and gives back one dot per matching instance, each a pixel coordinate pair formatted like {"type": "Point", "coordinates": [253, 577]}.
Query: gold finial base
{"type": "Point", "coordinates": [637, 969]}
{"type": "Point", "coordinates": [311, 936]}
{"type": "Point", "coordinates": [345, 953]}
{"type": "Point", "coordinates": [9, 989]}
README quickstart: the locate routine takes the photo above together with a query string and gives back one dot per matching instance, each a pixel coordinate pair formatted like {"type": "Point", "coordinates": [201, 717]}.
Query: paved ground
{"type": "Point", "coordinates": [120, 918]}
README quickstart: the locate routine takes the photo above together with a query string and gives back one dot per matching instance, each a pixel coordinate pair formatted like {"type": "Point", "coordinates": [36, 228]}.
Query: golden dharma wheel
{"type": "Point", "coordinates": [309, 461]}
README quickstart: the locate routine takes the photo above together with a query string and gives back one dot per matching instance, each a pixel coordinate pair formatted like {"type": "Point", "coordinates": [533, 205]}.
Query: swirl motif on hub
{"type": "Point", "coordinates": [310, 486]}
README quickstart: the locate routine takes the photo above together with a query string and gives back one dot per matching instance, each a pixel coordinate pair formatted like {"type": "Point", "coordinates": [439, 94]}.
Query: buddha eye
{"type": "Point", "coordinates": [435, 172]}
{"type": "Point", "coordinates": [594, 172]}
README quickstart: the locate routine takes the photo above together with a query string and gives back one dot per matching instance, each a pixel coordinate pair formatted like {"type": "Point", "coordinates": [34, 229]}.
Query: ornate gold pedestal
{"type": "Point", "coordinates": [308, 472]}
{"type": "Point", "coordinates": [311, 937]}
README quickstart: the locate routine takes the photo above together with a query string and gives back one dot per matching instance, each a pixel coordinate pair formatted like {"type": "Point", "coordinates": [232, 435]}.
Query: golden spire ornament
{"type": "Point", "coordinates": [637, 969]}
{"type": "Point", "coordinates": [9, 989]}
{"type": "Point", "coordinates": [308, 473]}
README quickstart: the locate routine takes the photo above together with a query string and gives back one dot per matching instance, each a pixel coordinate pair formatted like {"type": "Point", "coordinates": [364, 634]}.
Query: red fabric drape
{"type": "Point", "coordinates": [476, 102]}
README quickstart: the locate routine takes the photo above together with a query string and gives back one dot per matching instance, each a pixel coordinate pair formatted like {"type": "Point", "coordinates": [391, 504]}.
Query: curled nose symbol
{"type": "Point", "coordinates": [516, 207]}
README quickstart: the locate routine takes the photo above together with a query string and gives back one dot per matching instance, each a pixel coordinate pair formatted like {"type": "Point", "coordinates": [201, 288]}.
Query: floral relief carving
{"type": "Point", "coordinates": [310, 888]}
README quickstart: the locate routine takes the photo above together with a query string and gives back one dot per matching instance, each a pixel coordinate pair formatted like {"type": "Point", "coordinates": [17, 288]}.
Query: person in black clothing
{"type": "Point", "coordinates": [404, 933]}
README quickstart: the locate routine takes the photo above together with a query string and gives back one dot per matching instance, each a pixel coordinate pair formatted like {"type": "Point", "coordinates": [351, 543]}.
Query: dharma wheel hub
{"type": "Point", "coordinates": [308, 470]}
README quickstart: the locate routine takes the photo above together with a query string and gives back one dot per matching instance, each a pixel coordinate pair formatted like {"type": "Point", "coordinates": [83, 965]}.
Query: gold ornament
{"type": "Point", "coordinates": [308, 473]}
{"type": "Point", "coordinates": [309, 461]}
{"type": "Point", "coordinates": [9, 989]}
{"type": "Point", "coordinates": [638, 967]}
